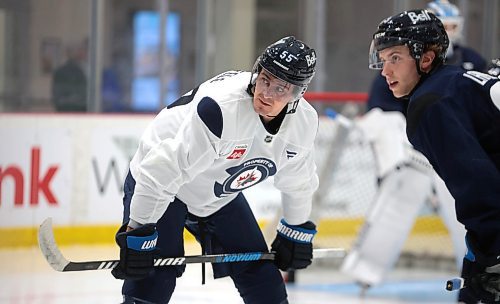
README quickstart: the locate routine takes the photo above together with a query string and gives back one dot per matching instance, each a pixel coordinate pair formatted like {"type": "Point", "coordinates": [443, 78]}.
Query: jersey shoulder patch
{"type": "Point", "coordinates": [417, 107]}
{"type": "Point", "coordinates": [211, 114]}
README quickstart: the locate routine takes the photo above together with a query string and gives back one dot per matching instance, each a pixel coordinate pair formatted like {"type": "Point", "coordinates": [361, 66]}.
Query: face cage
{"type": "Point", "coordinates": [295, 92]}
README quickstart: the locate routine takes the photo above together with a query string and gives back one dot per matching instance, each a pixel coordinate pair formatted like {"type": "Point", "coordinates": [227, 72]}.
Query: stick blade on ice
{"type": "Point", "coordinates": [49, 247]}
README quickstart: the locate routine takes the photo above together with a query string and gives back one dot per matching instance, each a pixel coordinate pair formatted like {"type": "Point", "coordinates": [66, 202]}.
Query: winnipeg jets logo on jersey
{"type": "Point", "coordinates": [245, 175]}
{"type": "Point", "coordinates": [238, 152]}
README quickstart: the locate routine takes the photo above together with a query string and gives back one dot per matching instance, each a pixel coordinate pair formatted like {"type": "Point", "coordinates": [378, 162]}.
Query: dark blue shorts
{"type": "Point", "coordinates": [232, 229]}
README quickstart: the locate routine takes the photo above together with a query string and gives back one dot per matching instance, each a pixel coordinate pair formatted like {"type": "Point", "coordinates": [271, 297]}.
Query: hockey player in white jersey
{"type": "Point", "coordinates": [194, 159]}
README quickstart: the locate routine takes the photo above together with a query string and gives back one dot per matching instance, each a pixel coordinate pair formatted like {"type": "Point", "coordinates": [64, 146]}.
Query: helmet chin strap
{"type": "Point", "coordinates": [289, 111]}
{"type": "Point", "coordinates": [419, 71]}
{"type": "Point", "coordinates": [294, 107]}
{"type": "Point", "coordinates": [422, 73]}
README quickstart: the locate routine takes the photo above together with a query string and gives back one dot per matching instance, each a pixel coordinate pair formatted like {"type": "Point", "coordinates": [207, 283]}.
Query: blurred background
{"type": "Point", "coordinates": [134, 53]}
{"type": "Point", "coordinates": [81, 79]}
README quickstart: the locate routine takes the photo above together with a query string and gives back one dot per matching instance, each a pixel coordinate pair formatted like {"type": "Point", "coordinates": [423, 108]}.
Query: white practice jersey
{"type": "Point", "coordinates": [211, 145]}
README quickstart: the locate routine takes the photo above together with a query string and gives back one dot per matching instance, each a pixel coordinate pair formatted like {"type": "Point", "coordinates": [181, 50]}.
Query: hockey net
{"type": "Point", "coordinates": [348, 185]}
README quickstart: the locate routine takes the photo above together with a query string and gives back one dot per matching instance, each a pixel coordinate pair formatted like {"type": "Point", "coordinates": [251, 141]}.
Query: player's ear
{"type": "Point", "coordinates": [426, 60]}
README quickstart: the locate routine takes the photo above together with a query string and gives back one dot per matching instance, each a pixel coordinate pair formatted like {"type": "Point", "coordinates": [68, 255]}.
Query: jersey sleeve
{"type": "Point", "coordinates": [444, 133]}
{"type": "Point", "coordinates": [176, 160]}
{"type": "Point", "coordinates": [297, 183]}
{"type": "Point", "coordinates": [297, 179]}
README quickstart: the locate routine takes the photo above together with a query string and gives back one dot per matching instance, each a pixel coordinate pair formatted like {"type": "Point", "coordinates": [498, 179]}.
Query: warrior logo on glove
{"type": "Point", "coordinates": [293, 245]}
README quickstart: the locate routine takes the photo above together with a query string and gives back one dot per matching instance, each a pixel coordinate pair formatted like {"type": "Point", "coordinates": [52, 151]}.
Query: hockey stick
{"type": "Point", "coordinates": [459, 283]}
{"type": "Point", "coordinates": [58, 262]}
{"type": "Point", "coordinates": [455, 284]}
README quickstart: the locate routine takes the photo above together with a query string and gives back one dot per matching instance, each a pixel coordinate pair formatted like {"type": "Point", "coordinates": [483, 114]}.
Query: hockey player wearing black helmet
{"type": "Point", "coordinates": [196, 158]}
{"type": "Point", "coordinates": [453, 118]}
{"type": "Point", "coordinates": [457, 54]}
{"type": "Point", "coordinates": [291, 64]}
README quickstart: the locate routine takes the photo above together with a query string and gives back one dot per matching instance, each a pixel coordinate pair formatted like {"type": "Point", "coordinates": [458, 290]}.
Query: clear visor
{"type": "Point", "coordinates": [276, 88]}
{"type": "Point", "coordinates": [374, 60]}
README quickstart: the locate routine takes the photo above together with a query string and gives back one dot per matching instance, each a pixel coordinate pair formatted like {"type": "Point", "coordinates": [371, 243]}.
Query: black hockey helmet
{"type": "Point", "coordinates": [290, 60]}
{"type": "Point", "coordinates": [417, 29]}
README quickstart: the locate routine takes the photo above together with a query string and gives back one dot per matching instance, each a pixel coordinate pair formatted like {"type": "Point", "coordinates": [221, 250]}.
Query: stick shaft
{"type": "Point", "coordinates": [455, 284]}
{"type": "Point", "coordinates": [58, 262]}
{"type": "Point", "coordinates": [216, 258]}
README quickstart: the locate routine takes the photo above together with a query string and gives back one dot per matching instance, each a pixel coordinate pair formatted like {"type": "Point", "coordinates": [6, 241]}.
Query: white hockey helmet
{"type": "Point", "coordinates": [450, 15]}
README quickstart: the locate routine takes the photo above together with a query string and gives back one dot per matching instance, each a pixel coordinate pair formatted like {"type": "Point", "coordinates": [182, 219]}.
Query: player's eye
{"type": "Point", "coordinates": [264, 81]}
{"type": "Point", "coordinates": [280, 90]}
{"type": "Point", "coordinates": [395, 59]}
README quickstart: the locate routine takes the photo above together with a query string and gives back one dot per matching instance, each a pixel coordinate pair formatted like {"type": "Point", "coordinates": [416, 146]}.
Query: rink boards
{"type": "Point", "coordinates": [71, 167]}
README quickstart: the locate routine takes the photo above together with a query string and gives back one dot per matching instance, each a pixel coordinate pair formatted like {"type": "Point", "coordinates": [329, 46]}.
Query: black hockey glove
{"type": "Point", "coordinates": [137, 250]}
{"type": "Point", "coordinates": [293, 245]}
{"type": "Point", "coordinates": [481, 275]}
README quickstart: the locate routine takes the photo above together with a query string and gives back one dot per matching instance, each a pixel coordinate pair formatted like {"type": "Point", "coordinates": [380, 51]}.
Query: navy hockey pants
{"type": "Point", "coordinates": [232, 229]}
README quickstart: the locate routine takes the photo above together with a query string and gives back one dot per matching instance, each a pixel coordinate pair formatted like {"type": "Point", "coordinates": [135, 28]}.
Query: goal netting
{"type": "Point", "coordinates": [348, 184]}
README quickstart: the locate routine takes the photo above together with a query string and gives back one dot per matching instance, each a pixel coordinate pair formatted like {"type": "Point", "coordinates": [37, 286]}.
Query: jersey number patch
{"type": "Point", "coordinates": [478, 77]}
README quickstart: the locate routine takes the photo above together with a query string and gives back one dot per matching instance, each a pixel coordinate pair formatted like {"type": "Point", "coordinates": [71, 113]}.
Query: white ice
{"type": "Point", "coordinates": [25, 278]}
